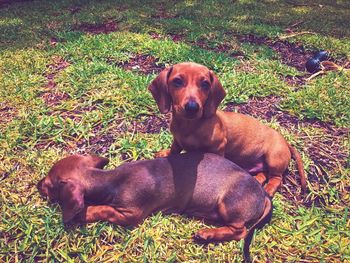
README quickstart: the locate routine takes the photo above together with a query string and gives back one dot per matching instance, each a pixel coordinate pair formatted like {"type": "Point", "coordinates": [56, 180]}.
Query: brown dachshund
{"type": "Point", "coordinates": [202, 185]}
{"type": "Point", "coordinates": [193, 92]}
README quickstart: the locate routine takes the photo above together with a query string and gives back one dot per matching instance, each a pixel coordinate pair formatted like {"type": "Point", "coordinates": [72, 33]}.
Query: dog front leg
{"type": "Point", "coordinates": [261, 178]}
{"type": "Point", "coordinates": [123, 217]}
{"type": "Point", "coordinates": [175, 148]}
{"type": "Point", "coordinates": [273, 184]}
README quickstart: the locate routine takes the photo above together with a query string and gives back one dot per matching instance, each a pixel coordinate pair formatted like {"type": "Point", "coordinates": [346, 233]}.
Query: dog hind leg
{"type": "Point", "coordinates": [273, 184]}
{"type": "Point", "coordinates": [261, 178]}
{"type": "Point", "coordinates": [235, 231]}
{"type": "Point", "coordinates": [108, 213]}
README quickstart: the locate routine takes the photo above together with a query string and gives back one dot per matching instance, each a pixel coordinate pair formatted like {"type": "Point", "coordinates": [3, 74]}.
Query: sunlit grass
{"type": "Point", "coordinates": [97, 103]}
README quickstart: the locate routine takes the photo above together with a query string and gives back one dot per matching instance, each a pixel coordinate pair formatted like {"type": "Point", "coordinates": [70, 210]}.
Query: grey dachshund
{"type": "Point", "coordinates": [201, 185]}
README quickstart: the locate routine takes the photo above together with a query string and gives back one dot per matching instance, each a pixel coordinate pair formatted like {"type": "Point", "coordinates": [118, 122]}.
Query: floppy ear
{"type": "Point", "coordinates": [99, 162]}
{"type": "Point", "coordinates": [159, 90]}
{"type": "Point", "coordinates": [216, 95]}
{"type": "Point", "coordinates": [71, 200]}
{"type": "Point", "coordinates": [42, 187]}
{"type": "Point", "coordinates": [46, 189]}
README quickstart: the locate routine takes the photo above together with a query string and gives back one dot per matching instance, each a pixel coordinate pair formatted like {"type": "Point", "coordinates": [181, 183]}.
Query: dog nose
{"type": "Point", "coordinates": [191, 107]}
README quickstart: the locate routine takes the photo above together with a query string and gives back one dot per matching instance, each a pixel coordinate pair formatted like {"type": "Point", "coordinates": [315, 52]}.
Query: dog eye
{"type": "Point", "coordinates": [205, 85]}
{"type": "Point", "coordinates": [178, 82]}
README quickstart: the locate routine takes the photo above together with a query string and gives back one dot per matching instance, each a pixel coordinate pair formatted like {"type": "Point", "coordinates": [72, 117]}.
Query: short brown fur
{"type": "Point", "coordinates": [242, 139]}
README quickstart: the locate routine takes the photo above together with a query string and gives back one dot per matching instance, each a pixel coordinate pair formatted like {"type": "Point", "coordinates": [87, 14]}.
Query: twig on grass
{"type": "Point", "coordinates": [294, 34]}
{"type": "Point", "coordinates": [328, 66]}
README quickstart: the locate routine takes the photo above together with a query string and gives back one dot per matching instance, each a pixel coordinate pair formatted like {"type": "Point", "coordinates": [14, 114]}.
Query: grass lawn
{"type": "Point", "coordinates": [74, 77]}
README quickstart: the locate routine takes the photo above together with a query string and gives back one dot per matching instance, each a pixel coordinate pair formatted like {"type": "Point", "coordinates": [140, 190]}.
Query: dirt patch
{"type": "Point", "coordinates": [152, 123]}
{"type": "Point", "coordinates": [7, 113]}
{"type": "Point", "coordinates": [54, 25]}
{"type": "Point", "coordinates": [325, 149]}
{"type": "Point", "coordinates": [221, 48]}
{"type": "Point", "coordinates": [154, 35]}
{"type": "Point", "coordinates": [292, 54]}
{"type": "Point", "coordinates": [144, 64]}
{"type": "Point", "coordinates": [245, 66]}
{"type": "Point", "coordinates": [104, 136]}
{"type": "Point", "coordinates": [74, 9]}
{"type": "Point", "coordinates": [294, 81]}
{"type": "Point", "coordinates": [53, 69]}
{"type": "Point", "coordinates": [173, 37]}
{"type": "Point", "coordinates": [177, 38]}
{"type": "Point", "coordinates": [99, 144]}
{"type": "Point", "coordinates": [102, 141]}
{"type": "Point", "coordinates": [344, 62]}
{"type": "Point", "coordinates": [267, 107]}
{"type": "Point", "coordinates": [5, 3]}
{"type": "Point", "coordinates": [52, 96]}
{"type": "Point", "coordinates": [96, 29]}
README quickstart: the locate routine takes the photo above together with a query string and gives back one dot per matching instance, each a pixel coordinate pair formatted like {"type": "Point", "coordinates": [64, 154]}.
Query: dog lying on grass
{"type": "Point", "coordinates": [193, 93]}
{"type": "Point", "coordinates": [201, 185]}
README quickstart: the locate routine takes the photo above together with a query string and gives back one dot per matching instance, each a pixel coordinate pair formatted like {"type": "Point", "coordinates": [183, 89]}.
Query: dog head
{"type": "Point", "coordinates": [192, 90]}
{"type": "Point", "coordinates": [65, 183]}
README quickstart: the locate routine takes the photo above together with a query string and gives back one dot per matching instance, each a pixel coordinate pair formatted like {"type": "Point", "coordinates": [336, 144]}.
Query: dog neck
{"type": "Point", "coordinates": [101, 185]}
{"type": "Point", "coordinates": [185, 126]}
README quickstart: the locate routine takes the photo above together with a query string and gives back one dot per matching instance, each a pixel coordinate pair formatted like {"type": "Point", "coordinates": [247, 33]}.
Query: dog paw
{"type": "Point", "coordinates": [201, 237]}
{"type": "Point", "coordinates": [163, 153]}
{"type": "Point", "coordinates": [198, 238]}
{"type": "Point", "coordinates": [270, 192]}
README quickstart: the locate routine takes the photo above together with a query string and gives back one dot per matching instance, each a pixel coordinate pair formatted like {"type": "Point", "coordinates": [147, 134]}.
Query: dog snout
{"type": "Point", "coordinates": [191, 107]}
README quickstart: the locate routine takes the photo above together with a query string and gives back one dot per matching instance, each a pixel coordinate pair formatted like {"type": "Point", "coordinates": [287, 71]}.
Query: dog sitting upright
{"type": "Point", "coordinates": [207, 186]}
{"type": "Point", "coordinates": [194, 94]}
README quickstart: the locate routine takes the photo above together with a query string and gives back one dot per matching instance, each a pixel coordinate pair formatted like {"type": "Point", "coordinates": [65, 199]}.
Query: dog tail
{"type": "Point", "coordinates": [297, 158]}
{"type": "Point", "coordinates": [263, 220]}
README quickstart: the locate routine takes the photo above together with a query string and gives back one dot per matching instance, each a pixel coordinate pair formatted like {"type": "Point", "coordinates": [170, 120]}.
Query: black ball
{"type": "Point", "coordinates": [322, 55]}
{"type": "Point", "coordinates": [313, 65]}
